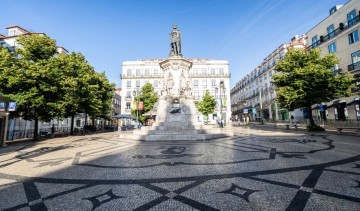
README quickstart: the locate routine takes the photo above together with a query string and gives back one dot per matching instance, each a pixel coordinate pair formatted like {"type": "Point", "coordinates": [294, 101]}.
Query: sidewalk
{"type": "Point", "coordinates": [300, 127]}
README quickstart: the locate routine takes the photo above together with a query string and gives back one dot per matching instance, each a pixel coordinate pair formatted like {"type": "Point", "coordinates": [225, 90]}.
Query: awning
{"type": "Point", "coordinates": [123, 116]}
{"type": "Point", "coordinates": [151, 112]}
{"type": "Point", "coordinates": [355, 101]}
{"type": "Point", "coordinates": [338, 103]}
{"type": "Point", "coordinates": [320, 106]}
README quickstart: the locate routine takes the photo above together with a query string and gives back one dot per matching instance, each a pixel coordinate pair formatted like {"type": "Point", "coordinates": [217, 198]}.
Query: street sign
{"type": "Point", "coordinates": [254, 110]}
{"type": "Point", "coordinates": [141, 105]}
{"type": "Point", "coordinates": [246, 111]}
{"type": "Point", "coordinates": [12, 106]}
{"type": "Point", "coordinates": [2, 106]}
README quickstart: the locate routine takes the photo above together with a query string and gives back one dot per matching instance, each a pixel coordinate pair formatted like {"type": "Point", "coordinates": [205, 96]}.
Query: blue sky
{"type": "Point", "coordinates": [109, 32]}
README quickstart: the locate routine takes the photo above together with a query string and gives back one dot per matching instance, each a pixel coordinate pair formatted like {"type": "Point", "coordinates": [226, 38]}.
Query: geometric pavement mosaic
{"type": "Point", "coordinates": [253, 170]}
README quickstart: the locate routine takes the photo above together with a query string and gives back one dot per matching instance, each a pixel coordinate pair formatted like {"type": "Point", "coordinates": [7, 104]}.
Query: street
{"type": "Point", "coordinates": [256, 169]}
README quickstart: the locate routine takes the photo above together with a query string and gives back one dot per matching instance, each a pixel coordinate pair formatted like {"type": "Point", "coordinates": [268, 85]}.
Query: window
{"type": "Point", "coordinates": [13, 32]}
{"type": "Point", "coordinates": [204, 82]}
{"type": "Point", "coordinates": [355, 57]}
{"type": "Point", "coordinates": [196, 83]}
{"type": "Point", "coordinates": [195, 71]}
{"type": "Point", "coordinates": [314, 41]}
{"type": "Point", "coordinates": [212, 71]}
{"type": "Point", "coordinates": [128, 94]}
{"type": "Point", "coordinates": [203, 71]}
{"type": "Point", "coordinates": [128, 84]}
{"type": "Point", "coordinates": [213, 82]}
{"type": "Point", "coordinates": [351, 18]}
{"type": "Point", "coordinates": [196, 94]}
{"type": "Point", "coordinates": [156, 72]}
{"type": "Point", "coordinates": [146, 81]}
{"type": "Point", "coordinates": [330, 31]}
{"type": "Point", "coordinates": [353, 37]}
{"type": "Point", "coordinates": [156, 83]}
{"type": "Point", "coordinates": [137, 83]}
{"type": "Point", "coordinates": [146, 72]}
{"type": "Point", "coordinates": [332, 10]}
{"type": "Point", "coordinates": [221, 70]}
{"type": "Point", "coordinates": [128, 105]}
{"type": "Point", "coordinates": [78, 122]}
{"type": "Point", "coordinates": [138, 72]}
{"type": "Point", "coordinates": [332, 48]}
{"type": "Point", "coordinates": [128, 72]}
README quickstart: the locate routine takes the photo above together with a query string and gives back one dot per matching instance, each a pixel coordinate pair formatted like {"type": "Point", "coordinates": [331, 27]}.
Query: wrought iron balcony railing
{"type": "Point", "coordinates": [336, 32]}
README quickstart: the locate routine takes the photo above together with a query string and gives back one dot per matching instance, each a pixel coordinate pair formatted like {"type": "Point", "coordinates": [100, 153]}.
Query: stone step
{"type": "Point", "coordinates": [179, 132]}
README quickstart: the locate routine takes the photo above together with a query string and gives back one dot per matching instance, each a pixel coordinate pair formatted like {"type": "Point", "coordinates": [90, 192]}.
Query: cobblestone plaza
{"type": "Point", "coordinates": [256, 169]}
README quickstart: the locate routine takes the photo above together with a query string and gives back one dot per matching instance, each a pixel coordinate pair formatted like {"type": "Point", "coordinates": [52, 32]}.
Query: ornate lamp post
{"type": "Point", "coordinates": [222, 89]}
{"type": "Point", "coordinates": [136, 93]}
{"type": "Point", "coordinates": [261, 116]}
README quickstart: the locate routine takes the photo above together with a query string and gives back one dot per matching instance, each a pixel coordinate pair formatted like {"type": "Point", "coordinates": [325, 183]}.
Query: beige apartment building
{"type": "Point", "coordinates": [339, 33]}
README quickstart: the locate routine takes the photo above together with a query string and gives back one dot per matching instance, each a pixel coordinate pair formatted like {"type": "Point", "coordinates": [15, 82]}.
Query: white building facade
{"type": "Point", "coordinates": [206, 74]}
{"type": "Point", "coordinates": [255, 93]}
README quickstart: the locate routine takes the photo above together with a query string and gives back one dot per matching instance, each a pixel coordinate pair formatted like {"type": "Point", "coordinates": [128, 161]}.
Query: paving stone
{"type": "Point", "coordinates": [256, 169]}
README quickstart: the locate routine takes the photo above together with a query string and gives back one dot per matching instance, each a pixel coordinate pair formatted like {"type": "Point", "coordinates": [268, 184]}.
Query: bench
{"type": "Point", "coordinates": [339, 129]}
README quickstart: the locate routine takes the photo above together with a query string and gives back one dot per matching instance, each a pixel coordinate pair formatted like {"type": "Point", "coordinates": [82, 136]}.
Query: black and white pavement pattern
{"type": "Point", "coordinates": [253, 170]}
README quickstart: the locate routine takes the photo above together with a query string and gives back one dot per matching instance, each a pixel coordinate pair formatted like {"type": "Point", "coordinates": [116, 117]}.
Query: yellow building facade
{"type": "Point", "coordinates": [339, 33]}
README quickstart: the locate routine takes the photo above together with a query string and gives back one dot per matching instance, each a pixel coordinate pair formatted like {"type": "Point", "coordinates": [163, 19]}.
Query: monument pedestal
{"type": "Point", "coordinates": [177, 115]}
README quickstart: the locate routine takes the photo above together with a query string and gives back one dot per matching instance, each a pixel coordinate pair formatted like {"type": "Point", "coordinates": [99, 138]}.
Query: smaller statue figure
{"type": "Point", "coordinates": [182, 83]}
{"type": "Point", "coordinates": [163, 88]}
{"type": "Point", "coordinates": [188, 87]}
{"type": "Point", "coordinates": [169, 83]}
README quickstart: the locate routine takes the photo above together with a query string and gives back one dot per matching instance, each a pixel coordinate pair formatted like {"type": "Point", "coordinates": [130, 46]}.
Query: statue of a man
{"type": "Point", "coordinates": [175, 42]}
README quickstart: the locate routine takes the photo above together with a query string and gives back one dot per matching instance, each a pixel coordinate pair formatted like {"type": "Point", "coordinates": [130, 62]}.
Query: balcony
{"type": "Point", "coordinates": [336, 32]}
{"type": "Point", "coordinates": [354, 67]}
{"type": "Point", "coordinates": [128, 98]}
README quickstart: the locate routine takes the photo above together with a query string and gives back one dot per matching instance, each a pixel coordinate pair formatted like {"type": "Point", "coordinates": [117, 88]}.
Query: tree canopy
{"type": "Point", "coordinates": [149, 97]}
{"type": "Point", "coordinates": [304, 78]}
{"type": "Point", "coordinates": [207, 105]}
{"type": "Point", "coordinates": [46, 85]}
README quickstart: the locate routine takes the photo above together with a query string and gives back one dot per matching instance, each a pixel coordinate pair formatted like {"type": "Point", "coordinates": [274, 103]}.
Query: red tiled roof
{"type": "Point", "coordinates": [21, 29]}
{"type": "Point", "coordinates": [29, 33]}
{"type": "Point", "coordinates": [62, 48]}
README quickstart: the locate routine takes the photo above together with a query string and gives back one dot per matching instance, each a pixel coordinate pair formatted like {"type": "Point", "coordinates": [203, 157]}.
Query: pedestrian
{"type": "Point", "coordinates": [52, 131]}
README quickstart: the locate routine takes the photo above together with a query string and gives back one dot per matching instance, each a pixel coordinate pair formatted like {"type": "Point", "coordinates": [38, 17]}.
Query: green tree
{"type": "Point", "coordinates": [84, 89]}
{"type": "Point", "coordinates": [149, 97]}
{"type": "Point", "coordinates": [31, 79]}
{"type": "Point", "coordinates": [207, 105]}
{"type": "Point", "coordinates": [304, 78]}
{"type": "Point", "coordinates": [357, 82]}
{"type": "Point", "coordinates": [76, 76]}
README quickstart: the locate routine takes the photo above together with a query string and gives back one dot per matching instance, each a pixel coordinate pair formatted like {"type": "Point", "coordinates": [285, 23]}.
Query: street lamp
{"type": "Point", "coordinates": [261, 116]}
{"type": "Point", "coordinates": [136, 93]}
{"type": "Point", "coordinates": [222, 89]}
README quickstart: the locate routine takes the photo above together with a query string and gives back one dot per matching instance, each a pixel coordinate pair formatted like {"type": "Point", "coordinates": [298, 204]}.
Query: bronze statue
{"type": "Point", "coordinates": [175, 42]}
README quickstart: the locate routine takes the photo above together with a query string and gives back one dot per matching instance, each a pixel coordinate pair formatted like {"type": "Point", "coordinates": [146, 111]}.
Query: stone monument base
{"type": "Point", "coordinates": [181, 125]}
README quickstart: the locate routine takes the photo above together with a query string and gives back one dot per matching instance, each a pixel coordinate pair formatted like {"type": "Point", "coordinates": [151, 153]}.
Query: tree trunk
{"type": "Point", "coordinates": [36, 129]}
{"type": "Point", "coordinates": [93, 123]}
{"type": "Point", "coordinates": [312, 123]}
{"type": "Point", "coordinates": [86, 123]}
{"type": "Point", "coordinates": [72, 125]}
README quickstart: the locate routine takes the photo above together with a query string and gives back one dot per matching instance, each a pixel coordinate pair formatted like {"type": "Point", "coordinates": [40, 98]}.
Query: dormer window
{"type": "Point", "coordinates": [12, 32]}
